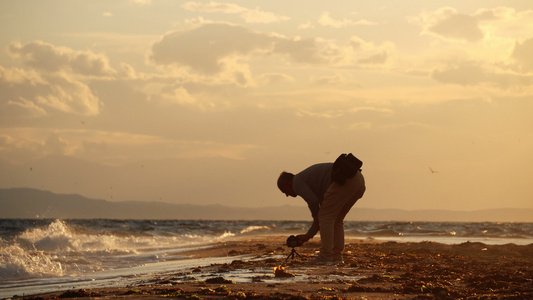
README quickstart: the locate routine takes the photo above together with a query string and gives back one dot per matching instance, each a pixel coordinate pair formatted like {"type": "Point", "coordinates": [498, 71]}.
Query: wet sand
{"type": "Point", "coordinates": [371, 270]}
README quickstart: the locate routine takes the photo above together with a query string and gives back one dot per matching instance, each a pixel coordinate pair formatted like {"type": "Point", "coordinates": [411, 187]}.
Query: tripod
{"type": "Point", "coordinates": [291, 255]}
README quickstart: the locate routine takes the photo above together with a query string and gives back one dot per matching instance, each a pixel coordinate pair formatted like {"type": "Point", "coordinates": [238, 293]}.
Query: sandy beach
{"type": "Point", "coordinates": [371, 270]}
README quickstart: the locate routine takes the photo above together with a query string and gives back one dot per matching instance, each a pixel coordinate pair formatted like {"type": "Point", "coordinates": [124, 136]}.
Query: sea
{"type": "Point", "coordinates": [42, 255]}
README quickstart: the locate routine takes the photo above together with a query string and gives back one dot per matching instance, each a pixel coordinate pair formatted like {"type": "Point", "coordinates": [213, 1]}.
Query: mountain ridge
{"type": "Point", "coordinates": [34, 203]}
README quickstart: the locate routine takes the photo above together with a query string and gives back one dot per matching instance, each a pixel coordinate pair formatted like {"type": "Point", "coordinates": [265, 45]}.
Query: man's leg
{"type": "Point", "coordinates": [338, 234]}
{"type": "Point", "coordinates": [356, 184]}
{"type": "Point", "coordinates": [337, 202]}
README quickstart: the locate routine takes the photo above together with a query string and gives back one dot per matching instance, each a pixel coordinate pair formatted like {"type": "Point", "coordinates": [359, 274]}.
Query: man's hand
{"type": "Point", "coordinates": [303, 238]}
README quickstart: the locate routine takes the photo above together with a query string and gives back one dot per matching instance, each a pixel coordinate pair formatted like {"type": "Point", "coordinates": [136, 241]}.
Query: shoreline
{"type": "Point", "coordinates": [371, 269]}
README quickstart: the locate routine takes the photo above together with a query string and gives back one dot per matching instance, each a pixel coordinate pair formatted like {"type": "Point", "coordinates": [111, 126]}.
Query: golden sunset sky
{"type": "Point", "coordinates": [206, 102]}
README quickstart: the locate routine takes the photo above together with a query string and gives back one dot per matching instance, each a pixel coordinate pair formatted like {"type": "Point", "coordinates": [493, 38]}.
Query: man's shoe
{"type": "Point", "coordinates": [319, 260]}
{"type": "Point", "coordinates": [337, 260]}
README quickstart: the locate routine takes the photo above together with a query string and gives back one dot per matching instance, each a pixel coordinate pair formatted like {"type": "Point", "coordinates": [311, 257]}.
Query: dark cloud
{"type": "Point", "coordinates": [463, 74]}
{"type": "Point", "coordinates": [379, 58]}
{"type": "Point", "coordinates": [458, 26]}
{"type": "Point", "coordinates": [472, 73]}
{"type": "Point", "coordinates": [523, 54]}
{"type": "Point", "coordinates": [204, 47]}
{"type": "Point", "coordinates": [303, 51]}
{"type": "Point", "coordinates": [273, 78]}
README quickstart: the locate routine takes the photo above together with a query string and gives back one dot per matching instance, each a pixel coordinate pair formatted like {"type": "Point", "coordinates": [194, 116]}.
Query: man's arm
{"type": "Point", "coordinates": [312, 200]}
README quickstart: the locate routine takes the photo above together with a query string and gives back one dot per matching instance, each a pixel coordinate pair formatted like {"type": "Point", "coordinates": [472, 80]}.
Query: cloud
{"type": "Point", "coordinates": [463, 74]}
{"type": "Point", "coordinates": [208, 47]}
{"type": "Point", "coordinates": [142, 2]}
{"type": "Point", "coordinates": [178, 95]}
{"type": "Point", "coordinates": [326, 114]}
{"type": "Point", "coordinates": [49, 58]}
{"type": "Point", "coordinates": [22, 144]}
{"type": "Point", "coordinates": [55, 145]}
{"type": "Point", "coordinates": [327, 80]}
{"type": "Point", "coordinates": [371, 109]}
{"type": "Point", "coordinates": [507, 14]}
{"type": "Point", "coordinates": [499, 31]}
{"type": "Point", "coordinates": [473, 73]}
{"type": "Point", "coordinates": [357, 52]}
{"type": "Point", "coordinates": [258, 16]}
{"type": "Point", "coordinates": [28, 93]}
{"type": "Point", "coordinates": [347, 112]}
{"type": "Point", "coordinates": [22, 107]}
{"type": "Point", "coordinates": [458, 26]}
{"type": "Point", "coordinates": [505, 23]}
{"type": "Point", "coordinates": [522, 54]}
{"type": "Point", "coordinates": [447, 23]}
{"type": "Point", "coordinates": [111, 147]}
{"type": "Point", "coordinates": [211, 7]}
{"type": "Point", "coordinates": [248, 15]}
{"type": "Point", "coordinates": [300, 50]}
{"type": "Point", "coordinates": [378, 58]}
{"type": "Point", "coordinates": [360, 126]}
{"type": "Point", "coordinates": [307, 25]}
{"type": "Point", "coordinates": [489, 14]}
{"type": "Point", "coordinates": [326, 20]}
{"type": "Point", "coordinates": [275, 78]}
{"type": "Point", "coordinates": [203, 48]}
{"type": "Point", "coordinates": [126, 71]}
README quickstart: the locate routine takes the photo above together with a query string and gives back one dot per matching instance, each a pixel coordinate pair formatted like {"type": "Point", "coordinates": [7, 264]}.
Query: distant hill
{"type": "Point", "coordinates": [32, 203]}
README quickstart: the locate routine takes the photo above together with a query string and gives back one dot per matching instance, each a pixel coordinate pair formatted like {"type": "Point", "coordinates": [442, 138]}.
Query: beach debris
{"type": "Point", "coordinates": [424, 270]}
{"type": "Point", "coordinates": [270, 260]}
{"type": "Point", "coordinates": [357, 288]}
{"type": "Point", "coordinates": [131, 292]}
{"type": "Point", "coordinates": [223, 290]}
{"type": "Point", "coordinates": [338, 273]}
{"type": "Point", "coordinates": [196, 270]}
{"type": "Point", "coordinates": [279, 271]}
{"type": "Point", "coordinates": [238, 264]}
{"type": "Point", "coordinates": [219, 291]}
{"type": "Point", "coordinates": [78, 294]}
{"type": "Point", "coordinates": [169, 291]}
{"type": "Point", "coordinates": [375, 278]}
{"type": "Point", "coordinates": [223, 269]}
{"type": "Point", "coordinates": [164, 281]}
{"type": "Point", "coordinates": [207, 291]}
{"type": "Point", "coordinates": [218, 280]}
{"type": "Point", "coordinates": [240, 295]}
{"type": "Point", "coordinates": [259, 278]}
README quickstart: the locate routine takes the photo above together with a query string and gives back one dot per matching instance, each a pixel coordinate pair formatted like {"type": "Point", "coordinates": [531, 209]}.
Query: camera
{"type": "Point", "coordinates": [293, 241]}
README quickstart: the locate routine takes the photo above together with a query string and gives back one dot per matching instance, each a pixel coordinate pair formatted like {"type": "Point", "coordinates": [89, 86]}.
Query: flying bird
{"type": "Point", "coordinates": [433, 171]}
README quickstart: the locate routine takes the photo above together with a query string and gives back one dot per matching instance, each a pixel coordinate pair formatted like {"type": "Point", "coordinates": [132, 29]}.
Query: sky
{"type": "Point", "coordinates": [207, 102]}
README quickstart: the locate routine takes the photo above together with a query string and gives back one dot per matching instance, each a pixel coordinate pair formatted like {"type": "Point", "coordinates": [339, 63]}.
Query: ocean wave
{"type": "Point", "coordinates": [55, 248]}
{"type": "Point", "coordinates": [63, 248]}
{"type": "Point", "coordinates": [255, 228]}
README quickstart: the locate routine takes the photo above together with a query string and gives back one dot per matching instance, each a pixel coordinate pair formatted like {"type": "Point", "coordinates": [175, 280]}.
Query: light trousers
{"type": "Point", "coordinates": [338, 200]}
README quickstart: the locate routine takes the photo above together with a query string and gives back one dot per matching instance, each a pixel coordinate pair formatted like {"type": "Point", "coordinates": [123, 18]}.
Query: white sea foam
{"type": "Point", "coordinates": [254, 228]}
{"type": "Point", "coordinates": [17, 262]}
{"type": "Point", "coordinates": [59, 250]}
